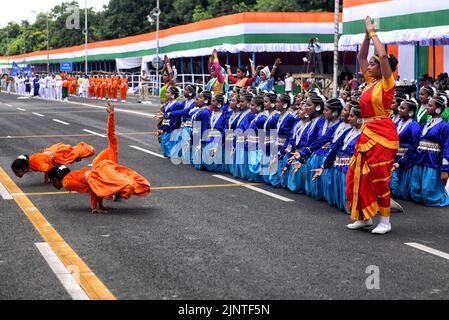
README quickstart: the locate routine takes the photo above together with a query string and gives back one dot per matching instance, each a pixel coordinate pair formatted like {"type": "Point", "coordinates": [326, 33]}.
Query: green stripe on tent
{"type": "Point", "coordinates": [232, 40]}
{"type": "Point", "coordinates": [409, 21]}
{"type": "Point", "coordinates": [423, 60]}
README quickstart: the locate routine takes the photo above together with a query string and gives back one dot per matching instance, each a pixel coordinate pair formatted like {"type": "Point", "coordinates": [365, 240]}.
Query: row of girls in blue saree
{"type": "Point", "coordinates": [305, 147]}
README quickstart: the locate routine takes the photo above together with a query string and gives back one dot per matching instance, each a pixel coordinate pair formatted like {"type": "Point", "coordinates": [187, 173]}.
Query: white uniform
{"type": "Point", "coordinates": [58, 88]}
{"type": "Point", "coordinates": [42, 87]}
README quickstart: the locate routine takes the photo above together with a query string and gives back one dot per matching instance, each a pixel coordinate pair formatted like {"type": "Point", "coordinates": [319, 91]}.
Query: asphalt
{"type": "Point", "coordinates": [199, 243]}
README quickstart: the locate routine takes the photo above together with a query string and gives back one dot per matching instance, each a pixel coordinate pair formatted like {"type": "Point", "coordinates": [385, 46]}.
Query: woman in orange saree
{"type": "Point", "coordinates": [106, 179]}
{"type": "Point", "coordinates": [369, 172]}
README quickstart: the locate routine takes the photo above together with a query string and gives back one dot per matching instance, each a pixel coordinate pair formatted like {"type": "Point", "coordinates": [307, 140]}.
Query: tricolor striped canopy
{"type": "Point", "coordinates": [398, 21]}
{"type": "Point", "coordinates": [245, 32]}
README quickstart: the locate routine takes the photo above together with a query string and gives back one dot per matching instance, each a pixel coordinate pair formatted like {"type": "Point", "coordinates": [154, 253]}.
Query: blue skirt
{"type": "Point", "coordinates": [197, 152]}
{"type": "Point", "coordinates": [175, 146]}
{"type": "Point", "coordinates": [215, 163]}
{"type": "Point", "coordinates": [400, 183]}
{"type": "Point", "coordinates": [266, 172]}
{"type": "Point", "coordinates": [186, 151]}
{"type": "Point", "coordinates": [327, 181]}
{"type": "Point", "coordinates": [241, 164]}
{"type": "Point", "coordinates": [426, 187]}
{"type": "Point", "coordinates": [315, 188]}
{"type": "Point", "coordinates": [229, 160]}
{"type": "Point", "coordinates": [166, 144]}
{"type": "Point", "coordinates": [339, 189]}
{"type": "Point", "coordinates": [278, 180]}
{"type": "Point", "coordinates": [254, 166]}
{"type": "Point", "coordinates": [296, 182]}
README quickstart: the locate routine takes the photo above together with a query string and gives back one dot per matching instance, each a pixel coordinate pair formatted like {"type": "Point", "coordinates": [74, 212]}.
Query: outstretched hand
{"type": "Point", "coordinates": [278, 61]}
{"type": "Point", "coordinates": [395, 167]}
{"type": "Point", "coordinates": [109, 108]}
{"type": "Point", "coordinates": [369, 25]}
{"type": "Point", "coordinates": [166, 59]}
{"type": "Point", "coordinates": [318, 173]}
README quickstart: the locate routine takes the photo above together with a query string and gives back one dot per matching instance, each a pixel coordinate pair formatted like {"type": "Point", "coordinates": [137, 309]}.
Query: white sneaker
{"type": "Point", "coordinates": [382, 228]}
{"type": "Point", "coordinates": [123, 101]}
{"type": "Point", "coordinates": [359, 224]}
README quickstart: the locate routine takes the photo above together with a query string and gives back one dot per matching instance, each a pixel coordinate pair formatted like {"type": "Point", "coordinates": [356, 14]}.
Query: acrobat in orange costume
{"type": "Point", "coordinates": [107, 178]}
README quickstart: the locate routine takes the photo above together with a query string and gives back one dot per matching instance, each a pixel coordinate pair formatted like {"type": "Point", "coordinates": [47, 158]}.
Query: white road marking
{"type": "Point", "coordinates": [150, 115]}
{"type": "Point", "coordinates": [62, 122]}
{"type": "Point", "coordinates": [38, 114]}
{"type": "Point", "coordinates": [94, 133]}
{"type": "Point", "coordinates": [8, 105]}
{"type": "Point", "coordinates": [148, 151]}
{"type": "Point", "coordinates": [67, 279]}
{"type": "Point", "coordinates": [428, 249]}
{"type": "Point", "coordinates": [5, 193]}
{"type": "Point", "coordinates": [21, 109]}
{"type": "Point", "coordinates": [265, 192]}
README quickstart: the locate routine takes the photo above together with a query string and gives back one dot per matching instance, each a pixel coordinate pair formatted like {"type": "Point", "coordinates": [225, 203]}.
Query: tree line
{"type": "Point", "coordinates": [122, 18]}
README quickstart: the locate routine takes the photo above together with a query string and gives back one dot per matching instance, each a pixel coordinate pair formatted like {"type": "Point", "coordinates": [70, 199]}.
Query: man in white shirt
{"type": "Point", "coordinates": [58, 88]}
{"type": "Point", "coordinates": [289, 83]}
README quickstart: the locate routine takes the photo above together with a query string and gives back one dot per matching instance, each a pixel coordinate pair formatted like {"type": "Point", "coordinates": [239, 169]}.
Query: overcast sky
{"type": "Point", "coordinates": [18, 10]}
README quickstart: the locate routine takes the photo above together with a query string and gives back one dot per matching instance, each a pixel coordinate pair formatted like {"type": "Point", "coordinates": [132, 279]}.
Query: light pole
{"type": "Point", "coordinates": [86, 31]}
{"type": "Point", "coordinates": [47, 40]}
{"type": "Point", "coordinates": [336, 33]}
{"type": "Point", "coordinates": [157, 13]}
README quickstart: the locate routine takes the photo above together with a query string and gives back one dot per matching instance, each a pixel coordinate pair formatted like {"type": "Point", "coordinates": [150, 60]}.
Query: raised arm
{"type": "Point", "coordinates": [380, 49]}
{"type": "Point", "coordinates": [275, 67]}
{"type": "Point", "coordinates": [169, 68]}
{"type": "Point", "coordinates": [363, 54]}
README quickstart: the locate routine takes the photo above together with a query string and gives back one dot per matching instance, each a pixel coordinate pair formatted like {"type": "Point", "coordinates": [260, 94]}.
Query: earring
{"type": "Point", "coordinates": [438, 110]}
{"type": "Point", "coordinates": [359, 121]}
{"type": "Point", "coordinates": [335, 114]}
{"type": "Point", "coordinates": [410, 114]}
{"type": "Point", "coordinates": [318, 108]}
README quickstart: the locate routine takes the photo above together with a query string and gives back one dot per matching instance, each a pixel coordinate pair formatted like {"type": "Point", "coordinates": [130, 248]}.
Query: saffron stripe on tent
{"type": "Point", "coordinates": [439, 60]}
{"type": "Point", "coordinates": [394, 50]}
{"type": "Point", "coordinates": [355, 3]}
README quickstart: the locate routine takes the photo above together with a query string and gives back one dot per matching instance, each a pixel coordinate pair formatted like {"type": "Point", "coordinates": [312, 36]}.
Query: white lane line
{"type": "Point", "coordinates": [38, 114]}
{"type": "Point", "coordinates": [150, 115]}
{"type": "Point", "coordinates": [8, 105]}
{"type": "Point", "coordinates": [428, 249]}
{"type": "Point", "coordinates": [94, 133]}
{"type": "Point", "coordinates": [148, 151]}
{"type": "Point", "coordinates": [5, 193]}
{"type": "Point", "coordinates": [265, 192]}
{"type": "Point", "coordinates": [67, 279]}
{"type": "Point", "coordinates": [62, 122]}
{"type": "Point", "coordinates": [21, 109]}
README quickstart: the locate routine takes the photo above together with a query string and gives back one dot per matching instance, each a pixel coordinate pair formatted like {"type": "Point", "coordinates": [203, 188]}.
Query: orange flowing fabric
{"type": "Point", "coordinates": [107, 178]}
{"type": "Point", "coordinates": [66, 154]}
{"type": "Point", "coordinates": [41, 162]}
{"type": "Point", "coordinates": [369, 172]}
{"type": "Point", "coordinates": [110, 153]}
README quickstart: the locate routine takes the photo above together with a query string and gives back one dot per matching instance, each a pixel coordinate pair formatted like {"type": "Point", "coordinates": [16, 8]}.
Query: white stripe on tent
{"type": "Point", "coordinates": [393, 8]}
{"type": "Point", "coordinates": [406, 65]}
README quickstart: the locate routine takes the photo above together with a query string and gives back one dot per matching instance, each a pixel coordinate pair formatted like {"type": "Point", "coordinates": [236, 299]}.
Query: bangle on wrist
{"type": "Point", "coordinates": [372, 34]}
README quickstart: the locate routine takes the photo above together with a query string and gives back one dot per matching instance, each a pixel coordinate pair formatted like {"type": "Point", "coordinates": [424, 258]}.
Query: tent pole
{"type": "Point", "coordinates": [434, 60]}
{"type": "Point", "coordinates": [336, 33]}
{"type": "Point", "coordinates": [357, 67]}
{"type": "Point", "coordinates": [417, 68]}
